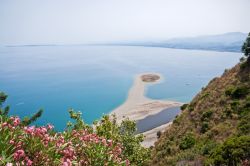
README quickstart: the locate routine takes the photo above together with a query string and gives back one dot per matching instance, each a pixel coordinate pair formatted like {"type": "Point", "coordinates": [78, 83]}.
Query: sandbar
{"type": "Point", "coordinates": [137, 106]}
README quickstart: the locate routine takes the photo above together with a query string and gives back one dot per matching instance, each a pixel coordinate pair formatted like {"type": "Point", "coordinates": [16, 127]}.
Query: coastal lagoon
{"type": "Point", "coordinates": [96, 79]}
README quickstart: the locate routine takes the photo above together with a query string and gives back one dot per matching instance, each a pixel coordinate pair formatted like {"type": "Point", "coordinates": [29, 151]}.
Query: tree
{"type": "Point", "coordinates": [3, 97]}
{"type": "Point", "coordinates": [27, 121]}
{"type": "Point", "coordinates": [246, 48]}
{"type": "Point", "coordinates": [3, 111]}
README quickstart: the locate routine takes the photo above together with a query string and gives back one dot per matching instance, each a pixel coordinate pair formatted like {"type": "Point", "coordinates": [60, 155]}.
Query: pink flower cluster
{"type": "Point", "coordinates": [14, 122]}
{"type": "Point", "coordinates": [40, 132]}
{"type": "Point", "coordinates": [76, 146]}
{"type": "Point", "coordinates": [81, 141]}
{"type": "Point", "coordinates": [20, 154]}
{"type": "Point", "coordinates": [14, 125]}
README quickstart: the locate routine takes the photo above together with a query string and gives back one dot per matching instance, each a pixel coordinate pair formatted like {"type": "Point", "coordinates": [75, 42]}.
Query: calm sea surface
{"type": "Point", "coordinates": [96, 79]}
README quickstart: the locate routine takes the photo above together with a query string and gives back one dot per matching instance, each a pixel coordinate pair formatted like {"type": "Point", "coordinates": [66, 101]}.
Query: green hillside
{"type": "Point", "coordinates": [214, 128]}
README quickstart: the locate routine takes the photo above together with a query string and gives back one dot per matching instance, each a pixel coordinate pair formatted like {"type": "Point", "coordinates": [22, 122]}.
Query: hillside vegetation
{"type": "Point", "coordinates": [214, 128]}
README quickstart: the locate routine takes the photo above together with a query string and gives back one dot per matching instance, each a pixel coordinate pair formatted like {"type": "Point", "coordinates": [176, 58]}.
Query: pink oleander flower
{"type": "Point", "coordinates": [29, 130]}
{"type": "Point", "coordinates": [29, 162]}
{"type": "Point", "coordinates": [67, 163]}
{"type": "Point", "coordinates": [43, 130]}
{"type": "Point", "coordinates": [50, 127]}
{"type": "Point", "coordinates": [127, 162]}
{"type": "Point", "coordinates": [4, 124]}
{"type": "Point", "coordinates": [119, 150]}
{"type": "Point", "coordinates": [19, 154]}
{"type": "Point", "coordinates": [9, 164]}
{"type": "Point", "coordinates": [68, 153]}
{"type": "Point", "coordinates": [110, 142]}
{"type": "Point", "coordinates": [16, 121]}
{"type": "Point", "coordinates": [104, 142]}
{"type": "Point", "coordinates": [12, 142]}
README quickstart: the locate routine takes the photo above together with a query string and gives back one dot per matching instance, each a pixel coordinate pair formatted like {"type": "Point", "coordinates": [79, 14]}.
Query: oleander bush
{"type": "Point", "coordinates": [107, 143]}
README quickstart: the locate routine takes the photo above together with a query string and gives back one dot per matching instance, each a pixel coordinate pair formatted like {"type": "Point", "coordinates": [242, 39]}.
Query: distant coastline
{"type": "Point", "coordinates": [235, 49]}
{"type": "Point", "coordinates": [227, 42]}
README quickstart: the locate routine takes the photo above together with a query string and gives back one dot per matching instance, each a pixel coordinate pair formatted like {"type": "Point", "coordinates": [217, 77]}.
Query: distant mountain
{"type": "Point", "coordinates": [230, 42]}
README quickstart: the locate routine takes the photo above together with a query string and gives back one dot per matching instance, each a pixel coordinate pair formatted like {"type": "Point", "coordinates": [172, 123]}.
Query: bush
{"type": "Point", "coordinates": [227, 112]}
{"type": "Point", "coordinates": [158, 134]}
{"type": "Point", "coordinates": [176, 120]}
{"type": "Point", "coordinates": [235, 106]}
{"type": "Point", "coordinates": [204, 127]}
{"type": "Point", "coordinates": [206, 115]}
{"type": "Point", "coordinates": [107, 143]}
{"type": "Point", "coordinates": [244, 124]}
{"type": "Point", "coordinates": [229, 90]}
{"type": "Point", "coordinates": [190, 108]}
{"type": "Point", "coordinates": [187, 142]}
{"type": "Point", "coordinates": [233, 151]}
{"type": "Point", "coordinates": [208, 147]}
{"type": "Point", "coordinates": [184, 106]}
{"type": "Point", "coordinates": [237, 92]}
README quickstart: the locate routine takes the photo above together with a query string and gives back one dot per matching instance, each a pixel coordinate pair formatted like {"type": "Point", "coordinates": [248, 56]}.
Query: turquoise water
{"type": "Point", "coordinates": [96, 79]}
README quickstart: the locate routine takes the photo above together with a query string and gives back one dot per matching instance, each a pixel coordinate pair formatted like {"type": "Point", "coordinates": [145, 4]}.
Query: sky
{"type": "Point", "coordinates": [93, 21]}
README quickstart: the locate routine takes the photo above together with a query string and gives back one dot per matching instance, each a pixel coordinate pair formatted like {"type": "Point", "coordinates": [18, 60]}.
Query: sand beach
{"type": "Point", "coordinates": [138, 106]}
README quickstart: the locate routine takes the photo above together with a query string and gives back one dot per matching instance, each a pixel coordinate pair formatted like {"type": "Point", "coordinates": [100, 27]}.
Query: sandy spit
{"type": "Point", "coordinates": [138, 106]}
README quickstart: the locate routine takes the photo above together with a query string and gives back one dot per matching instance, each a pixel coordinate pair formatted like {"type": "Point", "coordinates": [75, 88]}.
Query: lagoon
{"type": "Point", "coordinates": [96, 79]}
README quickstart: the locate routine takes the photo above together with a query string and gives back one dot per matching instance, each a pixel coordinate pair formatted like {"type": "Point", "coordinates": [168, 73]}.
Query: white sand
{"type": "Point", "coordinates": [137, 107]}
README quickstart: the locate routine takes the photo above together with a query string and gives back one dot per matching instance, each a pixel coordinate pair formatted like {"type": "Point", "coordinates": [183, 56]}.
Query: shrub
{"type": "Point", "coordinates": [187, 142]}
{"type": "Point", "coordinates": [244, 124]}
{"type": "Point", "coordinates": [237, 92]}
{"type": "Point", "coordinates": [125, 134]}
{"type": "Point", "coordinates": [107, 143]}
{"type": "Point", "coordinates": [204, 127]}
{"type": "Point", "coordinates": [190, 108]}
{"type": "Point", "coordinates": [205, 95]}
{"type": "Point", "coordinates": [208, 147]}
{"type": "Point", "coordinates": [233, 151]}
{"type": "Point", "coordinates": [158, 134]}
{"type": "Point", "coordinates": [184, 106]}
{"type": "Point", "coordinates": [227, 112]}
{"type": "Point", "coordinates": [39, 146]}
{"type": "Point", "coordinates": [235, 106]}
{"type": "Point", "coordinates": [229, 90]}
{"type": "Point", "coordinates": [206, 115]}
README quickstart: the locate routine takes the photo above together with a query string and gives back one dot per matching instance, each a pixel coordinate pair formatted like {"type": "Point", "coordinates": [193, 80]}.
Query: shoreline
{"type": "Point", "coordinates": [138, 107]}
{"type": "Point", "coordinates": [153, 121]}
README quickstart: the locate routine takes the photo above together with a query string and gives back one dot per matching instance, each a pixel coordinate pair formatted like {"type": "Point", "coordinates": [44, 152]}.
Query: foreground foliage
{"type": "Point", "coordinates": [107, 143]}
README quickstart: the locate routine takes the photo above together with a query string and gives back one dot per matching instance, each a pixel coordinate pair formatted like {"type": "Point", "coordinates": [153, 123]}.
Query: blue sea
{"type": "Point", "coordinates": [96, 79]}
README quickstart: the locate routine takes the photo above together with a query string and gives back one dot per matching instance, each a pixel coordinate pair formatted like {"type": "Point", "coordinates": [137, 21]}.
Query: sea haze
{"type": "Point", "coordinates": [96, 79]}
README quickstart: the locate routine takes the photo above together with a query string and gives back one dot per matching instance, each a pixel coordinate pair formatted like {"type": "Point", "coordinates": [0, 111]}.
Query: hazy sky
{"type": "Point", "coordinates": [81, 21]}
